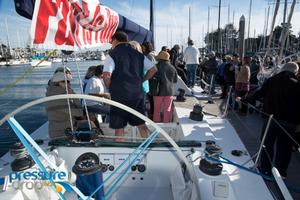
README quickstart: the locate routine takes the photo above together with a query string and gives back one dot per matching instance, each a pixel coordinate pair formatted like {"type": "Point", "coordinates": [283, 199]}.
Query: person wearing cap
{"type": "Point", "coordinates": [67, 70]}
{"type": "Point", "coordinates": [57, 111]}
{"type": "Point", "coordinates": [191, 57]}
{"type": "Point", "coordinates": [281, 97]}
{"type": "Point", "coordinates": [124, 75]}
{"type": "Point", "coordinates": [167, 76]}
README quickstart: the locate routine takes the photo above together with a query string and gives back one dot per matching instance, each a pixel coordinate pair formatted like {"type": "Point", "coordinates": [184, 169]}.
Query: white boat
{"type": "Point", "coordinates": [102, 56]}
{"type": "Point", "coordinates": [40, 63]}
{"type": "Point", "coordinates": [15, 62]}
{"type": "Point", "coordinates": [175, 165]}
{"type": "Point", "coordinates": [56, 60]}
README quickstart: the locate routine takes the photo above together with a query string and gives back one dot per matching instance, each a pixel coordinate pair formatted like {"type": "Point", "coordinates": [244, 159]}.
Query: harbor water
{"type": "Point", "coordinates": [28, 89]}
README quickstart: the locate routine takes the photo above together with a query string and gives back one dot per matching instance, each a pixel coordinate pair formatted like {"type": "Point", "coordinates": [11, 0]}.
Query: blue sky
{"type": "Point", "coordinates": [171, 18]}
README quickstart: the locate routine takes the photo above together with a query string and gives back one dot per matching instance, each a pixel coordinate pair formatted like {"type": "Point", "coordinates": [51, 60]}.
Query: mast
{"type": "Point", "coordinates": [219, 31]}
{"type": "Point", "coordinates": [228, 14]}
{"type": "Point", "coordinates": [267, 27]}
{"type": "Point", "coordinates": [284, 11]}
{"type": "Point", "coordinates": [287, 28]}
{"type": "Point", "coordinates": [272, 27]}
{"type": "Point", "coordinates": [152, 22]}
{"type": "Point", "coordinates": [167, 35]}
{"type": "Point", "coordinates": [190, 19]}
{"type": "Point", "coordinates": [208, 15]}
{"type": "Point", "coordinates": [7, 37]}
{"type": "Point", "coordinates": [233, 13]}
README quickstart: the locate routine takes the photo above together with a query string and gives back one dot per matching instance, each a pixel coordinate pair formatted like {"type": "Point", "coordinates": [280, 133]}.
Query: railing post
{"type": "Point", "coordinates": [210, 100]}
{"type": "Point", "coordinates": [263, 139]}
{"type": "Point", "coordinates": [227, 102]}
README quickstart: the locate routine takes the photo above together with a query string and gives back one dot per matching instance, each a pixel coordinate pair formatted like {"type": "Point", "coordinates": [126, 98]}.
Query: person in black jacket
{"type": "Point", "coordinates": [281, 97]}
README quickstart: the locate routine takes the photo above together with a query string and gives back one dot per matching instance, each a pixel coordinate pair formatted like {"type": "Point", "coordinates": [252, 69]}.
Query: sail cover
{"type": "Point", "coordinates": [75, 24]}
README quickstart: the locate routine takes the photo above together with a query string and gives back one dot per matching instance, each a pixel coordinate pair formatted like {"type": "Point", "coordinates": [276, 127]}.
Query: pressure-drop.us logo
{"type": "Point", "coordinates": [37, 180]}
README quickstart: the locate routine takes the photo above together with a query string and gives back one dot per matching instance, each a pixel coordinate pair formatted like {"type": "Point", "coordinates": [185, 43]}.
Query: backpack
{"type": "Point", "coordinates": [154, 86]}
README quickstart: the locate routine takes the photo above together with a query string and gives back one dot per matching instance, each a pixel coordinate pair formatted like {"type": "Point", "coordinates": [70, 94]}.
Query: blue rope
{"type": "Point", "coordinates": [32, 153]}
{"type": "Point", "coordinates": [152, 135]}
{"type": "Point", "coordinates": [266, 177]}
{"type": "Point", "coordinates": [109, 192]}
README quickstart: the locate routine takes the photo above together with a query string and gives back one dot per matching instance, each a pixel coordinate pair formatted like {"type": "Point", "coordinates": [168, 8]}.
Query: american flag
{"type": "Point", "coordinates": [72, 24]}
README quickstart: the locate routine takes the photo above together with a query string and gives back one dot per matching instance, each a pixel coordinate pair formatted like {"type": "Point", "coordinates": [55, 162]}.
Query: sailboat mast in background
{"type": "Point", "coordinates": [152, 17]}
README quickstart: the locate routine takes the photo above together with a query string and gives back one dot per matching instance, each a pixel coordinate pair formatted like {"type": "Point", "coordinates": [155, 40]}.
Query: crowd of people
{"type": "Point", "coordinates": [135, 75]}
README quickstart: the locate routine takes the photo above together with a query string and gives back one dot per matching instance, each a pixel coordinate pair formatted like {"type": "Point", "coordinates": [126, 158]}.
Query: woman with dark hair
{"type": "Point", "coordinates": [149, 52]}
{"type": "Point", "coordinates": [95, 86]}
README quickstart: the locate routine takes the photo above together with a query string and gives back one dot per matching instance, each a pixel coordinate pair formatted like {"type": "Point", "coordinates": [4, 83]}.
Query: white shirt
{"type": "Point", "coordinates": [94, 86]}
{"type": "Point", "coordinates": [191, 55]}
{"type": "Point", "coordinates": [109, 64]}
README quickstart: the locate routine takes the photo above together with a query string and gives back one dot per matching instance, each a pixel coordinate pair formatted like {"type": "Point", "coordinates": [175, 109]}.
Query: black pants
{"type": "Point", "coordinates": [276, 137]}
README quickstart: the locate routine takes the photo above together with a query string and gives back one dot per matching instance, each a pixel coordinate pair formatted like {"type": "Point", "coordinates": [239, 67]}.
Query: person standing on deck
{"type": "Point", "coordinates": [211, 71]}
{"type": "Point", "coordinates": [242, 83]}
{"type": "Point", "coordinates": [123, 75]}
{"type": "Point", "coordinates": [167, 76]}
{"type": "Point", "coordinates": [176, 61]}
{"type": "Point", "coordinates": [281, 97]}
{"type": "Point", "coordinates": [137, 46]}
{"type": "Point", "coordinates": [149, 52]}
{"type": "Point", "coordinates": [174, 54]}
{"type": "Point", "coordinates": [191, 57]}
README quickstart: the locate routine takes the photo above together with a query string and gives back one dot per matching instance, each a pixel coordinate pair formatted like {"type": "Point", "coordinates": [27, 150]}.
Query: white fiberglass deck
{"type": "Point", "coordinates": [245, 185]}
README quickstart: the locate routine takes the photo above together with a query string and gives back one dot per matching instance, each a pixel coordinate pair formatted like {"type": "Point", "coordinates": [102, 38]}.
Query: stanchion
{"type": "Point", "coordinates": [210, 100]}
{"type": "Point", "coordinates": [263, 140]}
{"type": "Point", "coordinates": [227, 102]}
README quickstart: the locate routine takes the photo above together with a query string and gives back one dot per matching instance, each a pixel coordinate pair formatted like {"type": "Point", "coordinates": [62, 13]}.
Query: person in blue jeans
{"type": "Point", "coordinates": [191, 58]}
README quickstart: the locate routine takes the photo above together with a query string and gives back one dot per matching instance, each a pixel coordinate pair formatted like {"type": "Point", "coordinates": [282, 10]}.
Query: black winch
{"type": "Point", "coordinates": [197, 114]}
{"type": "Point", "coordinates": [83, 134]}
{"type": "Point", "coordinates": [211, 164]}
{"type": "Point", "coordinates": [180, 97]}
{"type": "Point", "coordinates": [22, 160]}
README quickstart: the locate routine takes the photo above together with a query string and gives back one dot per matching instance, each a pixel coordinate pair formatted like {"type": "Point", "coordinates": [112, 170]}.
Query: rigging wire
{"type": "Point", "coordinates": [81, 91]}
{"type": "Point", "coordinates": [67, 92]}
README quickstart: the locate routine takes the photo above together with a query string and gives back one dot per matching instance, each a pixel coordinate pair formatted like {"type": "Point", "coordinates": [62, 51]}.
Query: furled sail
{"type": "Point", "coordinates": [75, 24]}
